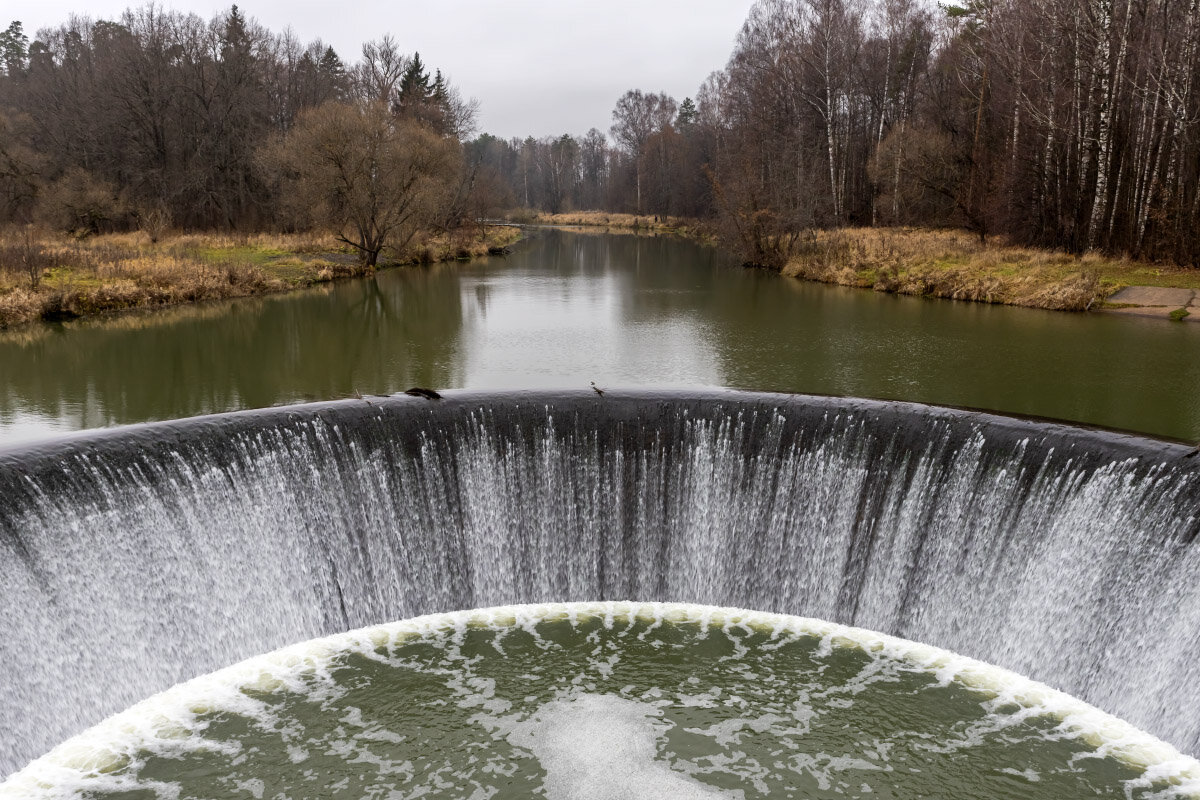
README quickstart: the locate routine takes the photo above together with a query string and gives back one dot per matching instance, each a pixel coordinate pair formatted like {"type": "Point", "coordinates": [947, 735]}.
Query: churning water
{"type": "Point", "coordinates": [134, 559]}
{"type": "Point", "coordinates": [610, 702]}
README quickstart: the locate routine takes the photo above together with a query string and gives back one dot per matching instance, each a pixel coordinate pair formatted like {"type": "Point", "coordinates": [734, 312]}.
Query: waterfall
{"type": "Point", "coordinates": [136, 558]}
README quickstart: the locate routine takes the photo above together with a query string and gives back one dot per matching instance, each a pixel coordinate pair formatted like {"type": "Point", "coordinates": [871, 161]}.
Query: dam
{"type": "Point", "coordinates": [139, 557]}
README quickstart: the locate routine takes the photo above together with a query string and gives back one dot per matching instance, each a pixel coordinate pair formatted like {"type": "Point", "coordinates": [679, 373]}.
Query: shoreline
{"type": "Point", "coordinates": [638, 223]}
{"type": "Point", "coordinates": [115, 273]}
{"type": "Point", "coordinates": [112, 274]}
{"type": "Point", "coordinates": [953, 265]}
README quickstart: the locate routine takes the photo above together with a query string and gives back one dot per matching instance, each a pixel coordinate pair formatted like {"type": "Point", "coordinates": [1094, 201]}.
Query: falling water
{"type": "Point", "coordinates": [137, 558]}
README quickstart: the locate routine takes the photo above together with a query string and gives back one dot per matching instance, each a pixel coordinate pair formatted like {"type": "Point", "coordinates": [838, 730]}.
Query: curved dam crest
{"type": "Point", "coordinates": [136, 558]}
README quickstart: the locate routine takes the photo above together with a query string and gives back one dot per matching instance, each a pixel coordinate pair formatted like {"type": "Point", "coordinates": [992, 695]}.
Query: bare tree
{"type": "Point", "coordinates": [376, 79]}
{"type": "Point", "coordinates": [637, 117]}
{"type": "Point", "coordinates": [373, 178]}
{"type": "Point", "coordinates": [593, 154]}
{"type": "Point", "coordinates": [20, 166]}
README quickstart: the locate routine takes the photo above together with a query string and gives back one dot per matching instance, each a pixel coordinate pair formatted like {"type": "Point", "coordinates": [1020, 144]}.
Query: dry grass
{"type": "Point", "coordinates": [146, 319]}
{"type": "Point", "coordinates": [603, 219]}
{"type": "Point", "coordinates": [127, 271]}
{"type": "Point", "coordinates": [459, 245]}
{"type": "Point", "coordinates": [954, 264]}
{"type": "Point", "coordinates": [678, 226]}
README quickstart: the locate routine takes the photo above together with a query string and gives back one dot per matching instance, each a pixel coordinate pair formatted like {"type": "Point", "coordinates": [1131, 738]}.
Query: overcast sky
{"type": "Point", "coordinates": [537, 67]}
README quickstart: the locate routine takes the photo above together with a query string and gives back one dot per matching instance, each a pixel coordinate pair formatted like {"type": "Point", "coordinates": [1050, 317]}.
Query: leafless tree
{"type": "Point", "coordinates": [376, 78]}
{"type": "Point", "coordinates": [20, 166]}
{"type": "Point", "coordinates": [638, 116]}
{"type": "Point", "coordinates": [372, 177]}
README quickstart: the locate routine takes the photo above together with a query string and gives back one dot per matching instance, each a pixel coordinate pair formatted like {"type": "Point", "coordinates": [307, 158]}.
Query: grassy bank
{"type": "Point", "coordinates": [55, 277]}
{"type": "Point", "coordinates": [640, 223]}
{"type": "Point", "coordinates": [932, 263]}
{"type": "Point", "coordinates": [953, 264]}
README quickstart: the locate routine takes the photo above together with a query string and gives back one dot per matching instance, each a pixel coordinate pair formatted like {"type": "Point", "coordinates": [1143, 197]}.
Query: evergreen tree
{"type": "Point", "coordinates": [687, 115]}
{"type": "Point", "coordinates": [235, 41]}
{"type": "Point", "coordinates": [414, 87]}
{"type": "Point", "coordinates": [14, 46]}
{"type": "Point", "coordinates": [332, 69]}
{"type": "Point", "coordinates": [439, 93]}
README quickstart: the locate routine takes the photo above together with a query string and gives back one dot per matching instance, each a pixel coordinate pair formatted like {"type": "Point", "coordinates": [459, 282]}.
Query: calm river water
{"type": "Point", "coordinates": [567, 308]}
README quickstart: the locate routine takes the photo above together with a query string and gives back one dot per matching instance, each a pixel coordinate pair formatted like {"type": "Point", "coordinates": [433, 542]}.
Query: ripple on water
{"type": "Point", "coordinates": [611, 700]}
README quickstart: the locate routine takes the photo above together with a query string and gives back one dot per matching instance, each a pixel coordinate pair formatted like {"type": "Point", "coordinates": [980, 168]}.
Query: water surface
{"type": "Point", "coordinates": [568, 308]}
{"type": "Point", "coordinates": [605, 701]}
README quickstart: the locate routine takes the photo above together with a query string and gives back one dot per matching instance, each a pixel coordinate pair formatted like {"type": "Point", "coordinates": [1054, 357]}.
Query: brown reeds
{"type": "Point", "coordinates": [954, 264]}
{"type": "Point", "coordinates": [609, 221]}
{"type": "Point", "coordinates": [49, 276]}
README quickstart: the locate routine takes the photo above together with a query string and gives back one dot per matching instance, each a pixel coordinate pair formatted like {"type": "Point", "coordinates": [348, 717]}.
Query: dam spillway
{"type": "Point", "coordinates": [137, 558]}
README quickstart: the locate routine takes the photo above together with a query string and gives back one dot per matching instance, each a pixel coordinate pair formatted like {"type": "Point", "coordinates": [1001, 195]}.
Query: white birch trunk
{"type": "Point", "coordinates": [1015, 140]}
{"type": "Point", "coordinates": [887, 79]}
{"type": "Point", "coordinates": [1104, 127]}
{"type": "Point", "coordinates": [830, 135]}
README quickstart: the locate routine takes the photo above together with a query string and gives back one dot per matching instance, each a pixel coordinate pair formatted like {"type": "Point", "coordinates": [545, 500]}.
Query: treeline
{"type": "Point", "coordinates": [162, 119]}
{"type": "Point", "coordinates": [655, 163]}
{"type": "Point", "coordinates": [1063, 123]}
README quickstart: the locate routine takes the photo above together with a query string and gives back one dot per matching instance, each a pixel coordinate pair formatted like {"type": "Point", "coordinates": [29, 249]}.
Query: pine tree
{"type": "Point", "coordinates": [414, 87]}
{"type": "Point", "coordinates": [332, 73]}
{"type": "Point", "coordinates": [14, 47]}
{"type": "Point", "coordinates": [687, 114]}
{"type": "Point", "coordinates": [235, 41]}
{"type": "Point", "coordinates": [439, 93]}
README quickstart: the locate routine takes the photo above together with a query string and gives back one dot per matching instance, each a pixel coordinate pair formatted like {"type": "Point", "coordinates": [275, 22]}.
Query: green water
{"type": "Point", "coordinates": [615, 708]}
{"type": "Point", "coordinates": [569, 308]}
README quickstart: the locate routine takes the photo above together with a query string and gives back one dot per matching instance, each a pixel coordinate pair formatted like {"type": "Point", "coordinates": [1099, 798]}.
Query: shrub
{"type": "Point", "coordinates": [81, 203]}
{"type": "Point", "coordinates": [23, 256]}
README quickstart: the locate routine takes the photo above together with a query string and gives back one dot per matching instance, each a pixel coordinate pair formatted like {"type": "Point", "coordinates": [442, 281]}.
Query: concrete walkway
{"type": "Point", "coordinates": [1155, 301]}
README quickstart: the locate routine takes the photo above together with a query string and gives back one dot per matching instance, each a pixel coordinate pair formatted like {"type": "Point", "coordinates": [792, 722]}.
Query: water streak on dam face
{"type": "Point", "coordinates": [137, 558]}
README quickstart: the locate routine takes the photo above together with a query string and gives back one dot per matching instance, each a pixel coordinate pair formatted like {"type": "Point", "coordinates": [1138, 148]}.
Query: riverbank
{"type": "Point", "coordinates": [51, 277]}
{"type": "Point", "coordinates": [953, 264]}
{"type": "Point", "coordinates": [605, 221]}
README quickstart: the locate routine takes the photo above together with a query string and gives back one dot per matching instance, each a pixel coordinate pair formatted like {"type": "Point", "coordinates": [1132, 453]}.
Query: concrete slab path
{"type": "Point", "coordinates": [1155, 301]}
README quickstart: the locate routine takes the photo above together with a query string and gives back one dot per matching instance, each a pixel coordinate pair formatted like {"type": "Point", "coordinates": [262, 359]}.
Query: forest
{"type": "Point", "coordinates": [164, 121]}
{"type": "Point", "coordinates": [1066, 124]}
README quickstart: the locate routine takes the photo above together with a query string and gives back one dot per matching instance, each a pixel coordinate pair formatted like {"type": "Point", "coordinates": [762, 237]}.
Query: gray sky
{"type": "Point", "coordinates": [537, 67]}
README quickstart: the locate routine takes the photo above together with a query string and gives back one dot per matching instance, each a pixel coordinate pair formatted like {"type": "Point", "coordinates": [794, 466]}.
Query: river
{"type": "Point", "coordinates": [570, 307]}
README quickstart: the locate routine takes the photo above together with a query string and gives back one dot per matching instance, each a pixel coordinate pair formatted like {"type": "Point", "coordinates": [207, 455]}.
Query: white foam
{"type": "Point", "coordinates": [169, 720]}
{"type": "Point", "coordinates": [603, 747]}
